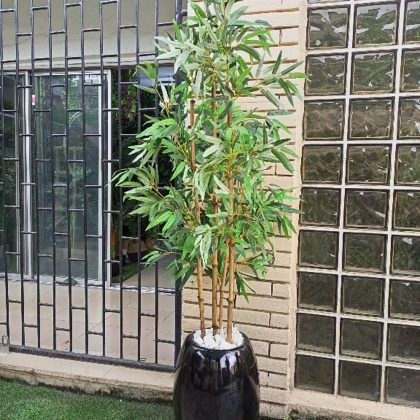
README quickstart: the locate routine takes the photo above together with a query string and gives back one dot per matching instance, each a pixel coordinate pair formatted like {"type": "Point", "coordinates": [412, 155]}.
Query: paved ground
{"type": "Point", "coordinates": [92, 320]}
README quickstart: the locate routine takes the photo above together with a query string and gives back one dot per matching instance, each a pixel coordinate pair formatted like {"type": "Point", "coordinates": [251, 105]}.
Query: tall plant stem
{"type": "Point", "coordinates": [222, 292]}
{"type": "Point", "coordinates": [215, 260]}
{"type": "Point", "coordinates": [198, 218]}
{"type": "Point", "coordinates": [231, 297]}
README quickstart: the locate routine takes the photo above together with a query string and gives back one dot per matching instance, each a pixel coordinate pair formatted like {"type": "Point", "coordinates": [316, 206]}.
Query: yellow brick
{"type": "Point", "coordinates": [279, 321]}
{"type": "Point", "coordinates": [277, 381]}
{"type": "Point", "coordinates": [252, 317]}
{"type": "Point", "coordinates": [261, 348]}
{"type": "Point", "coordinates": [265, 304]}
{"type": "Point", "coordinates": [278, 273]}
{"type": "Point", "coordinates": [189, 324]}
{"type": "Point", "coordinates": [268, 5]}
{"type": "Point", "coordinates": [273, 411]}
{"type": "Point", "coordinates": [273, 395]}
{"type": "Point", "coordinates": [272, 365]}
{"type": "Point", "coordinates": [289, 35]}
{"type": "Point", "coordinates": [279, 351]}
{"type": "Point", "coordinates": [281, 290]}
{"type": "Point", "coordinates": [282, 244]}
{"type": "Point", "coordinates": [283, 259]}
{"type": "Point", "coordinates": [279, 181]}
{"type": "Point", "coordinates": [263, 378]}
{"type": "Point", "coordinates": [279, 20]}
{"type": "Point", "coordinates": [264, 333]}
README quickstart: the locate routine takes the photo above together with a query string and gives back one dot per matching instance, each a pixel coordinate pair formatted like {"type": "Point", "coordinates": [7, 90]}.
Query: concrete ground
{"type": "Point", "coordinates": [93, 320]}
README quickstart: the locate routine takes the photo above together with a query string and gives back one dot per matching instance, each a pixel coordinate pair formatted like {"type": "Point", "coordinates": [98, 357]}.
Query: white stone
{"type": "Point", "coordinates": [218, 342]}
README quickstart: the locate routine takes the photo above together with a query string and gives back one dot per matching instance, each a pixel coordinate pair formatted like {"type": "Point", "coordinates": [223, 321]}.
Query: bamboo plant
{"type": "Point", "coordinates": [220, 217]}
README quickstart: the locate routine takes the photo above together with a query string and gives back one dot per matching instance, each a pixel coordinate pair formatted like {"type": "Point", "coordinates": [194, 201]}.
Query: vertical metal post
{"type": "Point", "coordinates": [178, 290]}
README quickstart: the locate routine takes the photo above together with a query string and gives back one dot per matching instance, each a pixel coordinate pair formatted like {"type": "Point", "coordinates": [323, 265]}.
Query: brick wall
{"type": "Point", "coordinates": [269, 318]}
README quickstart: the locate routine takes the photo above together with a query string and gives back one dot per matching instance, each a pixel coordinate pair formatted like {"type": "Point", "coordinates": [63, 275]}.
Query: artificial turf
{"type": "Point", "coordinates": [20, 401]}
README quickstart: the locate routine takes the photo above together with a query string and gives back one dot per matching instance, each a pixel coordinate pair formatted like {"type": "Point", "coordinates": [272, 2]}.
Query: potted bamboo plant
{"type": "Point", "coordinates": [220, 216]}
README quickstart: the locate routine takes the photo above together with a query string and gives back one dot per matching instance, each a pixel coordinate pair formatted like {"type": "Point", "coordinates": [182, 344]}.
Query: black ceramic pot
{"type": "Point", "coordinates": [216, 384]}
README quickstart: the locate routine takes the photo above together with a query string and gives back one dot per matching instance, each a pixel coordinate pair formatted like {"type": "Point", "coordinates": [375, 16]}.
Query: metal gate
{"type": "Point", "coordinates": [72, 283]}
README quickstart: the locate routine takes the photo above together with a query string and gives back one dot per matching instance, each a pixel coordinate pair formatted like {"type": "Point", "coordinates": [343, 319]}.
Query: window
{"type": "Point", "coordinates": [358, 322]}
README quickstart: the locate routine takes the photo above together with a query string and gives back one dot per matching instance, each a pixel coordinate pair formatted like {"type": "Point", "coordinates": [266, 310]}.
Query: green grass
{"type": "Point", "coordinates": [25, 402]}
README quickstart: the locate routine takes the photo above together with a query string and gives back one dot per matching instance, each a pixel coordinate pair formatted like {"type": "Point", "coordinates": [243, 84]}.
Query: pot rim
{"type": "Point", "coordinates": [190, 336]}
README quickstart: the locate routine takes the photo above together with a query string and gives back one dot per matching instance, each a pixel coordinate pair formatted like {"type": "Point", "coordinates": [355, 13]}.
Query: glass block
{"type": "Point", "coordinates": [326, 75]}
{"type": "Point", "coordinates": [376, 25]}
{"type": "Point", "coordinates": [407, 210]}
{"type": "Point", "coordinates": [327, 28]}
{"type": "Point", "coordinates": [315, 333]}
{"type": "Point", "coordinates": [409, 118]}
{"type": "Point", "coordinates": [323, 120]}
{"type": "Point", "coordinates": [366, 208]}
{"type": "Point", "coordinates": [318, 249]}
{"type": "Point", "coordinates": [403, 343]}
{"type": "Point", "coordinates": [373, 72]}
{"type": "Point", "coordinates": [411, 71]}
{"type": "Point", "coordinates": [361, 338]}
{"type": "Point", "coordinates": [320, 206]}
{"type": "Point", "coordinates": [408, 165]}
{"type": "Point", "coordinates": [322, 164]}
{"type": "Point", "coordinates": [403, 386]}
{"type": "Point", "coordinates": [371, 119]}
{"type": "Point", "coordinates": [364, 252]}
{"type": "Point", "coordinates": [412, 28]}
{"type": "Point", "coordinates": [360, 380]}
{"type": "Point", "coordinates": [362, 295]}
{"type": "Point", "coordinates": [368, 164]}
{"type": "Point", "coordinates": [315, 373]}
{"type": "Point", "coordinates": [317, 291]}
{"type": "Point", "coordinates": [405, 299]}
{"type": "Point", "coordinates": [406, 255]}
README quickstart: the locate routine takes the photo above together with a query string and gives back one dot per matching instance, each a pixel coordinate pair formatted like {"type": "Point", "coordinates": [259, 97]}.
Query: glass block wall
{"type": "Point", "coordinates": [358, 322]}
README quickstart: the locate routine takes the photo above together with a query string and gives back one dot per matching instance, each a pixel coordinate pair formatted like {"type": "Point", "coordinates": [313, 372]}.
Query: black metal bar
{"type": "Point", "coordinates": [31, 160]}
{"type": "Point", "coordinates": [120, 190]}
{"type": "Point", "coordinates": [34, 171]}
{"type": "Point", "coordinates": [156, 163]}
{"type": "Point", "coordinates": [139, 217]}
{"type": "Point", "coordinates": [3, 201]}
{"type": "Point", "coordinates": [67, 139]}
{"type": "Point", "coordinates": [92, 358]}
{"type": "Point", "coordinates": [51, 85]}
{"type": "Point", "coordinates": [52, 174]}
{"type": "Point", "coordinates": [85, 220]}
{"type": "Point", "coordinates": [106, 266]}
{"type": "Point", "coordinates": [178, 290]}
{"type": "Point", "coordinates": [20, 178]}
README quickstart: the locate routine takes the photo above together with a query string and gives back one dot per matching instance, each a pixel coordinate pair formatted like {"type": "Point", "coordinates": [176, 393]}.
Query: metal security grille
{"type": "Point", "coordinates": [358, 326]}
{"type": "Point", "coordinates": [72, 282]}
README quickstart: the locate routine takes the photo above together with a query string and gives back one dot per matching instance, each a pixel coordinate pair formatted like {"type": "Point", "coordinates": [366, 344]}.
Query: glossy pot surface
{"type": "Point", "coordinates": [216, 384]}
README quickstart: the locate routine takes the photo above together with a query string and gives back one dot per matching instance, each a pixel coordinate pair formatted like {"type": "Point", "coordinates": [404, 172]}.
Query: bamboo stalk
{"type": "Point", "coordinates": [231, 297]}
{"type": "Point", "coordinates": [198, 217]}
{"type": "Point", "coordinates": [222, 291]}
{"type": "Point", "coordinates": [215, 260]}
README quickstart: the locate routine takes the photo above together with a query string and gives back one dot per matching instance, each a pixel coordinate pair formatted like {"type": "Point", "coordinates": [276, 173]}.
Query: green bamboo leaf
{"type": "Point", "coordinates": [271, 97]}
{"type": "Point", "coordinates": [198, 11]}
{"type": "Point", "coordinates": [278, 63]}
{"type": "Point", "coordinates": [253, 53]}
{"type": "Point", "coordinates": [178, 170]}
{"type": "Point", "coordinates": [146, 89]}
{"type": "Point", "coordinates": [162, 218]}
{"type": "Point", "coordinates": [283, 160]}
{"type": "Point", "coordinates": [211, 150]}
